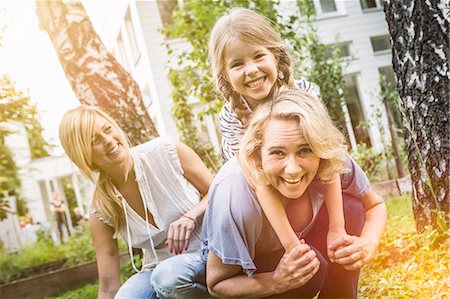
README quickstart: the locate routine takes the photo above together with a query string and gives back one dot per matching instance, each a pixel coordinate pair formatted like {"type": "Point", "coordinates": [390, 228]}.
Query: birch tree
{"type": "Point", "coordinates": [95, 76]}
{"type": "Point", "coordinates": [420, 57]}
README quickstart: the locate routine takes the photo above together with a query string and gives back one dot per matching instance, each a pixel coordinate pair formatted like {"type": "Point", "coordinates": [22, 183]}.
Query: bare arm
{"type": "Point", "coordinates": [200, 177]}
{"type": "Point", "coordinates": [352, 252]}
{"type": "Point", "coordinates": [294, 270]}
{"type": "Point", "coordinates": [274, 210]}
{"type": "Point", "coordinates": [333, 201]}
{"type": "Point", "coordinates": [107, 252]}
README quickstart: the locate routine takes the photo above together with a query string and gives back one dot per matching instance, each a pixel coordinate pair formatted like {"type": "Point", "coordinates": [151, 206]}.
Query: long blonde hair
{"type": "Point", "coordinates": [76, 132]}
{"type": "Point", "coordinates": [256, 30]}
{"type": "Point", "coordinates": [316, 126]}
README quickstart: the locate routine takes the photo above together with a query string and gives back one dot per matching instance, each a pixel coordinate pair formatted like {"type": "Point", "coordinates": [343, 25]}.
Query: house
{"type": "Point", "coordinates": [130, 30]}
{"type": "Point", "coordinates": [41, 177]}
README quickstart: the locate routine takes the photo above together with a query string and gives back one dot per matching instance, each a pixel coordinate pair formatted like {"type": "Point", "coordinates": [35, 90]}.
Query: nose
{"type": "Point", "coordinates": [292, 166]}
{"type": "Point", "coordinates": [107, 139]}
{"type": "Point", "coordinates": [251, 69]}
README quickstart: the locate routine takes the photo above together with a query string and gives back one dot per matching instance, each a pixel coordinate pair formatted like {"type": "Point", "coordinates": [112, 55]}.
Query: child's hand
{"type": "Point", "coordinates": [332, 237]}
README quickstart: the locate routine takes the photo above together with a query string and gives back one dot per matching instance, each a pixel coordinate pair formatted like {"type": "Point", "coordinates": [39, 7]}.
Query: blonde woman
{"type": "Point", "coordinates": [291, 137]}
{"type": "Point", "coordinates": [154, 195]}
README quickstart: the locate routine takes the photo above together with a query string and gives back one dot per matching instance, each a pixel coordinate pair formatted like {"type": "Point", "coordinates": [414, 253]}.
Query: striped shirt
{"type": "Point", "coordinates": [232, 128]}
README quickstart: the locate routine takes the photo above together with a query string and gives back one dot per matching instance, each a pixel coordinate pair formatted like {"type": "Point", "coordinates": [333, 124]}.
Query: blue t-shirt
{"type": "Point", "coordinates": [235, 227]}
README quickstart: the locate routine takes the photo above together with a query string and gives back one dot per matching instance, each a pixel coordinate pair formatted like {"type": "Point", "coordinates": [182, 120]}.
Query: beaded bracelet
{"type": "Point", "coordinates": [189, 217]}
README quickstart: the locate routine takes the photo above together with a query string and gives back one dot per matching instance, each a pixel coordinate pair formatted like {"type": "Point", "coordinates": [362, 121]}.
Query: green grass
{"type": "Point", "coordinates": [406, 264]}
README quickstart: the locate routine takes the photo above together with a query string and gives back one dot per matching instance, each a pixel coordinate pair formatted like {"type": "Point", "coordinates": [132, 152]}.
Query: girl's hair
{"type": "Point", "coordinates": [316, 126]}
{"type": "Point", "coordinates": [76, 132]}
{"type": "Point", "coordinates": [255, 30]}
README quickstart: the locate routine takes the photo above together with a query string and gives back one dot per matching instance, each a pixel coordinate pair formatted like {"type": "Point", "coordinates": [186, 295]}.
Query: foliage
{"type": "Point", "coordinates": [88, 291]}
{"type": "Point", "coordinates": [15, 105]}
{"type": "Point", "coordinates": [8, 169]}
{"type": "Point", "coordinates": [368, 159]}
{"type": "Point", "coordinates": [192, 79]}
{"type": "Point", "coordinates": [407, 264]}
{"type": "Point", "coordinates": [78, 249]}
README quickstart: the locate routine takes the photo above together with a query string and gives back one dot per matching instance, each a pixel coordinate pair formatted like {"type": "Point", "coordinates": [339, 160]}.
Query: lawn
{"type": "Point", "coordinates": [406, 265]}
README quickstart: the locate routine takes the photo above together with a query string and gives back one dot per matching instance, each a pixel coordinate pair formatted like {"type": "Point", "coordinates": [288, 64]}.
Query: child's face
{"type": "Point", "coordinates": [251, 70]}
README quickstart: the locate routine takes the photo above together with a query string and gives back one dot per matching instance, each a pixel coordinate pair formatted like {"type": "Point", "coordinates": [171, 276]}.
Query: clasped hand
{"type": "Point", "coordinates": [352, 252]}
{"type": "Point", "coordinates": [296, 268]}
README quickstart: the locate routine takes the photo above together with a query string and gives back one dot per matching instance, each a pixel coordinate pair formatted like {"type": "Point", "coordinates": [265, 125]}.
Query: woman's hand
{"type": "Point", "coordinates": [296, 268]}
{"type": "Point", "coordinates": [332, 236]}
{"type": "Point", "coordinates": [179, 234]}
{"type": "Point", "coordinates": [352, 252]}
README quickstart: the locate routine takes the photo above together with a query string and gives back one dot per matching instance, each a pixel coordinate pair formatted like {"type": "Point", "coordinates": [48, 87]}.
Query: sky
{"type": "Point", "coordinates": [28, 56]}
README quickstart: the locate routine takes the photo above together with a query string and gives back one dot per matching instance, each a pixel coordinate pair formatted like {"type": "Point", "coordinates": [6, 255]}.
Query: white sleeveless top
{"type": "Point", "coordinates": [165, 192]}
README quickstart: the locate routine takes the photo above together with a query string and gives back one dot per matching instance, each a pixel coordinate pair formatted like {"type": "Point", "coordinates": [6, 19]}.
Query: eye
{"type": "Point", "coordinates": [95, 141]}
{"type": "Point", "coordinates": [277, 153]}
{"type": "Point", "coordinates": [108, 129]}
{"type": "Point", "coordinates": [259, 55]}
{"type": "Point", "coordinates": [236, 65]}
{"type": "Point", "coordinates": [304, 151]}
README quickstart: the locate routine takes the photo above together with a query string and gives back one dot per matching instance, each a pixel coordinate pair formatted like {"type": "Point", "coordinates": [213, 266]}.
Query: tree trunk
{"type": "Point", "coordinates": [420, 57]}
{"type": "Point", "coordinates": [94, 74]}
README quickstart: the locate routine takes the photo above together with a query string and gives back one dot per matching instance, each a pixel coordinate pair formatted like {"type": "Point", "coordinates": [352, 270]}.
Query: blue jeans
{"type": "Point", "coordinates": [137, 287]}
{"type": "Point", "coordinates": [181, 276]}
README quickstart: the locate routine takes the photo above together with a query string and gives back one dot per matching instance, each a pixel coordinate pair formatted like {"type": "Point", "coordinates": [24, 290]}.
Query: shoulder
{"type": "Point", "coordinates": [160, 151]}
{"type": "Point", "coordinates": [230, 191]}
{"type": "Point", "coordinates": [307, 87]}
{"type": "Point", "coordinates": [228, 116]}
{"type": "Point", "coordinates": [158, 143]}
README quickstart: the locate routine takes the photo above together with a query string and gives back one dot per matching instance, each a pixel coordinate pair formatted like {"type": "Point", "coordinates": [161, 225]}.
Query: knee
{"type": "Point", "coordinates": [164, 281]}
{"type": "Point", "coordinates": [176, 275]}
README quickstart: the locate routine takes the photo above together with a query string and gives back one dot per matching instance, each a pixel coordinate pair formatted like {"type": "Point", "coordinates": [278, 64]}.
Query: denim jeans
{"type": "Point", "coordinates": [181, 276]}
{"type": "Point", "coordinates": [137, 287]}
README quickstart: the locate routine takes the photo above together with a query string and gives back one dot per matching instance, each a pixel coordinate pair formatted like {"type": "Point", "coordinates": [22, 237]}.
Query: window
{"type": "Point", "coordinates": [380, 43]}
{"type": "Point", "coordinates": [166, 9]}
{"type": "Point", "coordinates": [131, 36]}
{"type": "Point", "coordinates": [122, 53]}
{"type": "Point", "coordinates": [344, 50]}
{"type": "Point", "coordinates": [355, 111]}
{"type": "Point", "coordinates": [327, 6]}
{"type": "Point", "coordinates": [371, 4]}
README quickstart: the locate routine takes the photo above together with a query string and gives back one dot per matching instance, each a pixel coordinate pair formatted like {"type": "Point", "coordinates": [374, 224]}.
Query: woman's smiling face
{"type": "Point", "coordinates": [287, 159]}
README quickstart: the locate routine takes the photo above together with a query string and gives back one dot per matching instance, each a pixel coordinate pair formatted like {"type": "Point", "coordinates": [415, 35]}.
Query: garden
{"type": "Point", "coordinates": [406, 264]}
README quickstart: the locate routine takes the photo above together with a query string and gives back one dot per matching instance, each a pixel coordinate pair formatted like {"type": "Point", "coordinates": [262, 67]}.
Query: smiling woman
{"type": "Point", "coordinates": [153, 195]}
{"type": "Point", "coordinates": [291, 145]}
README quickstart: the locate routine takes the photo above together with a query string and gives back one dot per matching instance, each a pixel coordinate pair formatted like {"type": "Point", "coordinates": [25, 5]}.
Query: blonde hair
{"type": "Point", "coordinates": [76, 132]}
{"type": "Point", "coordinates": [316, 126]}
{"type": "Point", "coordinates": [256, 30]}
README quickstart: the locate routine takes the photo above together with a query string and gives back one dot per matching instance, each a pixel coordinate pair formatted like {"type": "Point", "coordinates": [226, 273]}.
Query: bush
{"type": "Point", "coordinates": [44, 255]}
{"type": "Point", "coordinates": [369, 160]}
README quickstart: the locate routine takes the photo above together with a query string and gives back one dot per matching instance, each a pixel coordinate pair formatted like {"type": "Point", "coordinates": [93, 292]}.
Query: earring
{"type": "Point", "coordinates": [280, 75]}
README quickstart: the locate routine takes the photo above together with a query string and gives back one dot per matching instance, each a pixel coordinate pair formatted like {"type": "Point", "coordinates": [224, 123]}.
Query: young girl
{"type": "Point", "coordinates": [250, 62]}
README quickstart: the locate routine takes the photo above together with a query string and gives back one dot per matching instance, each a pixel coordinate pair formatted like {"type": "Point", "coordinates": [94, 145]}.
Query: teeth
{"type": "Point", "coordinates": [256, 83]}
{"type": "Point", "coordinates": [291, 181]}
{"type": "Point", "coordinates": [113, 150]}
